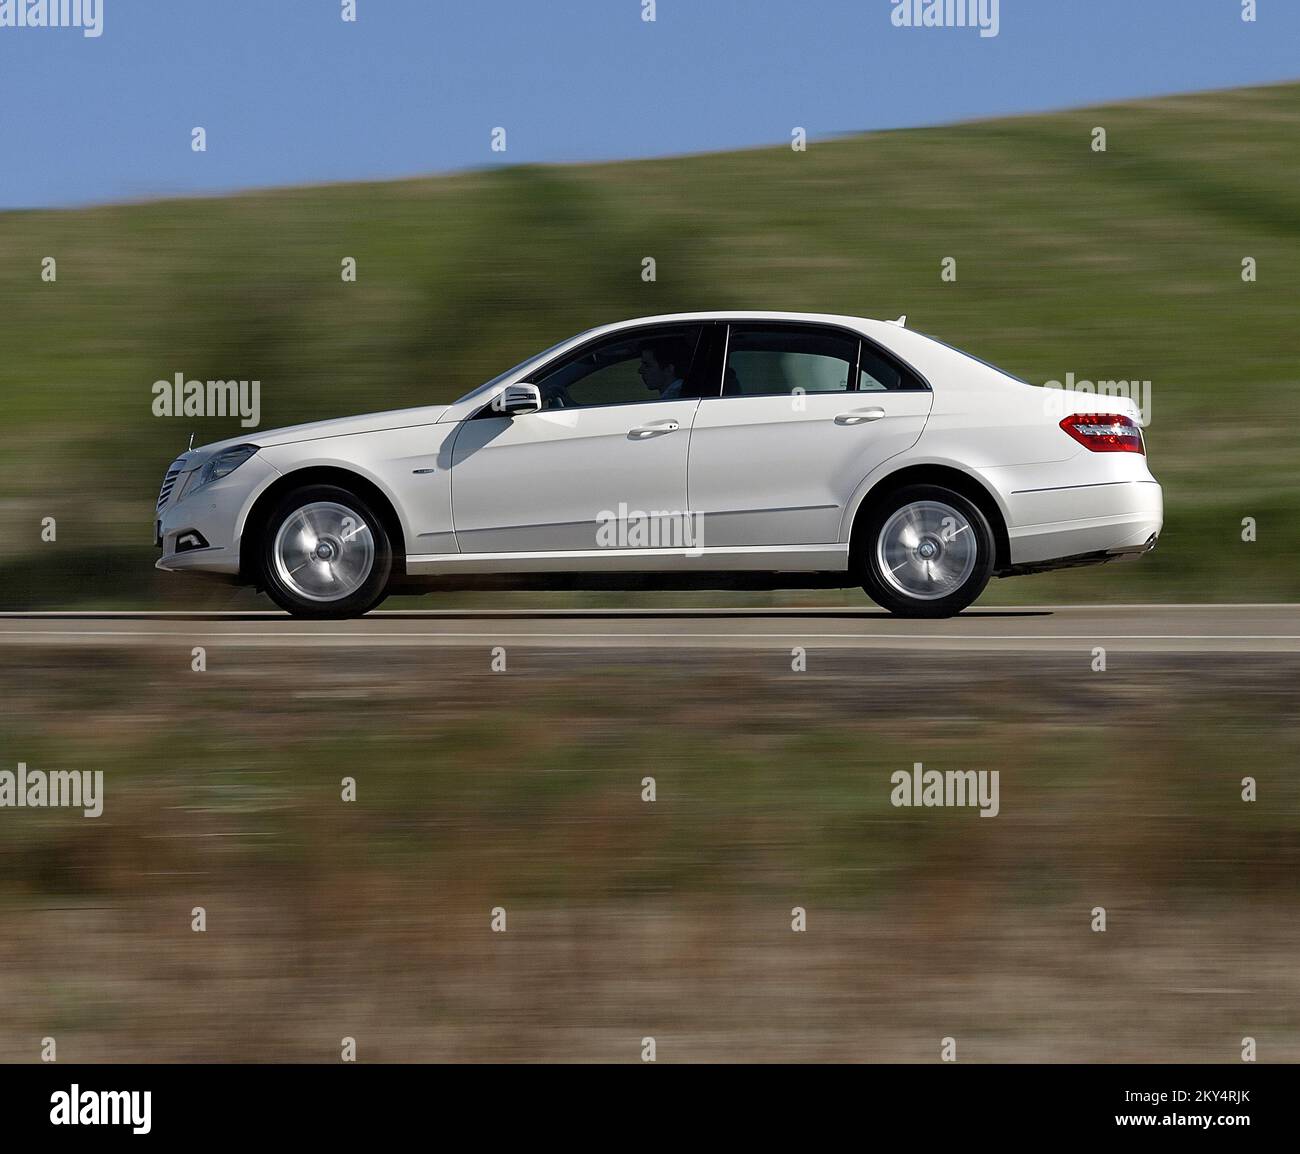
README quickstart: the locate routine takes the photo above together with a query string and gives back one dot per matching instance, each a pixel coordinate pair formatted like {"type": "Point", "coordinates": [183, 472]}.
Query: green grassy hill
{"type": "Point", "coordinates": [1124, 264]}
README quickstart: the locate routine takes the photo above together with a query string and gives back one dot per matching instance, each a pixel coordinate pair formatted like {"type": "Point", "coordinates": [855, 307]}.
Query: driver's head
{"type": "Point", "coordinates": [662, 363]}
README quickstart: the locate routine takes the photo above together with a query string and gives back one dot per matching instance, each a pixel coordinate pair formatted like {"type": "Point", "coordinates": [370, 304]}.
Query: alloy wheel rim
{"type": "Point", "coordinates": [324, 551]}
{"type": "Point", "coordinates": [927, 550]}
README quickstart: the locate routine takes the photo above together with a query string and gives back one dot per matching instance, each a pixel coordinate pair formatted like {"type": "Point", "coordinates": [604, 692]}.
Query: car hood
{"type": "Point", "coordinates": [336, 427]}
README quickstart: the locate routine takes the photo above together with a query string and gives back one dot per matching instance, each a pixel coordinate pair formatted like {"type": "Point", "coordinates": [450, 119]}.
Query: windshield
{"type": "Point", "coordinates": [519, 368]}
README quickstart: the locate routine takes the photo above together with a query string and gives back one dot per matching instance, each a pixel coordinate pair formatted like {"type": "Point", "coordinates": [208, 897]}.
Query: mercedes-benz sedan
{"type": "Point", "coordinates": [702, 450]}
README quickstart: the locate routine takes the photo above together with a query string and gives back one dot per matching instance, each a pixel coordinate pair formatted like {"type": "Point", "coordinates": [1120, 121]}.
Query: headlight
{"type": "Point", "coordinates": [224, 463]}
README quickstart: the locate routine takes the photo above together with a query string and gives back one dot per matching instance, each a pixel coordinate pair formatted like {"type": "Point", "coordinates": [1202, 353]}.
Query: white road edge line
{"type": "Point", "coordinates": [977, 613]}
{"type": "Point", "coordinates": [356, 634]}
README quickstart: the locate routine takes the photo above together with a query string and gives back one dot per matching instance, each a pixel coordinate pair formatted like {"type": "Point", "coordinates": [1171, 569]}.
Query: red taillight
{"type": "Point", "coordinates": [1105, 432]}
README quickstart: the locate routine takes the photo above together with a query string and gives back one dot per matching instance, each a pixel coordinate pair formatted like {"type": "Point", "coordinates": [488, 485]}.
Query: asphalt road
{"type": "Point", "coordinates": [1052, 629]}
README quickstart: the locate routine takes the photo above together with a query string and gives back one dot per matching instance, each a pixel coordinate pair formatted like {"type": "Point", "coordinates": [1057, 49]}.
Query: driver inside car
{"type": "Point", "coordinates": [659, 364]}
{"type": "Point", "coordinates": [663, 365]}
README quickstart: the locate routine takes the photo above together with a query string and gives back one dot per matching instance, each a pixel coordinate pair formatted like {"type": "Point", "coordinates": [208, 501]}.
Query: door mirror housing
{"type": "Point", "coordinates": [515, 400]}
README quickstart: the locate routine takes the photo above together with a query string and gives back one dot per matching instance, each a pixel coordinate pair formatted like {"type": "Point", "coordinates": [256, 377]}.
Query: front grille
{"type": "Point", "coordinates": [169, 482]}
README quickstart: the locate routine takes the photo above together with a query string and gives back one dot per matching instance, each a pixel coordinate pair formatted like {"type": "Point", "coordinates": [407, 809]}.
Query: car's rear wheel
{"type": "Point", "coordinates": [924, 551]}
{"type": "Point", "coordinates": [325, 553]}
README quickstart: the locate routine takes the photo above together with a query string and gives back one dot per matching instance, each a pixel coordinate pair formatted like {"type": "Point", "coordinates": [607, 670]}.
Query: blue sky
{"type": "Point", "coordinates": [290, 94]}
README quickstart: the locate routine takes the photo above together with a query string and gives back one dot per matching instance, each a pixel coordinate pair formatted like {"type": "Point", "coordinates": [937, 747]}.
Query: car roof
{"type": "Point", "coordinates": [917, 349]}
{"type": "Point", "coordinates": [859, 324]}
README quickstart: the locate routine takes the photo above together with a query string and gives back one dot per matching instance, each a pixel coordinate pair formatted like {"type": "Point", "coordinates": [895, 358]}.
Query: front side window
{"type": "Point", "coordinates": [647, 365]}
{"type": "Point", "coordinates": [766, 360]}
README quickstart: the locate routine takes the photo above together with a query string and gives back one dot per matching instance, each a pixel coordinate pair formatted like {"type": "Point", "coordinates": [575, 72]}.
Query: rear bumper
{"type": "Point", "coordinates": [1051, 527]}
{"type": "Point", "coordinates": [1082, 559]}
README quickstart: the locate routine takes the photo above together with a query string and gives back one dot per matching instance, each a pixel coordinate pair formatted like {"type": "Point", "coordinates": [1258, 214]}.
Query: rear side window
{"type": "Point", "coordinates": [879, 373]}
{"type": "Point", "coordinates": [768, 360]}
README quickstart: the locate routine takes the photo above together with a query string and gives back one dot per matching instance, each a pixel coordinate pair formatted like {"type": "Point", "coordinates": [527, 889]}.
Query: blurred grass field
{"type": "Point", "coordinates": [1122, 265]}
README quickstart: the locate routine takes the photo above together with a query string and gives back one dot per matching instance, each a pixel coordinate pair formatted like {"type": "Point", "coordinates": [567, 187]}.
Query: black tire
{"type": "Point", "coordinates": [359, 568]}
{"type": "Point", "coordinates": [941, 584]}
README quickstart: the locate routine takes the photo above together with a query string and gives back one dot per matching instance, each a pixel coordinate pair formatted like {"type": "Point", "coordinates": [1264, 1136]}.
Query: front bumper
{"type": "Point", "coordinates": [199, 533]}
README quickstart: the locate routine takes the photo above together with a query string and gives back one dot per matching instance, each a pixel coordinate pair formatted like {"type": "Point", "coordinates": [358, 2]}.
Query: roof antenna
{"type": "Point", "coordinates": [190, 446]}
{"type": "Point", "coordinates": [901, 322]}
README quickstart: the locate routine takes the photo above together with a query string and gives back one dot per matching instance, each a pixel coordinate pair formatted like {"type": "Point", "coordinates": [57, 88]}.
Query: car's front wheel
{"type": "Point", "coordinates": [925, 551]}
{"type": "Point", "coordinates": [325, 553]}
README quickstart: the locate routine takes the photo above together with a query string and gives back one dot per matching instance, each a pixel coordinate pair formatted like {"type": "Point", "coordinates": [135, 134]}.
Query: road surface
{"type": "Point", "coordinates": [1051, 629]}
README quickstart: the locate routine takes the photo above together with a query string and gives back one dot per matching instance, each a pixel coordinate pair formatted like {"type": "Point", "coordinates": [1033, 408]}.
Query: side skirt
{"type": "Point", "coordinates": [756, 567]}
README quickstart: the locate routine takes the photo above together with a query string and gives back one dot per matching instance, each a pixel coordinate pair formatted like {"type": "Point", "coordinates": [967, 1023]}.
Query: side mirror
{"type": "Point", "coordinates": [515, 400]}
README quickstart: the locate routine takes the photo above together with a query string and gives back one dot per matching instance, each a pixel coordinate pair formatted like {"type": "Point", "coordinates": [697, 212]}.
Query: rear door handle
{"type": "Point", "coordinates": [859, 416]}
{"type": "Point", "coordinates": [653, 429]}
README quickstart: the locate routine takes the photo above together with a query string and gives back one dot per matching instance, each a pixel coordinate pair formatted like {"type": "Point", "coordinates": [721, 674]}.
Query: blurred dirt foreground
{"type": "Point", "coordinates": [522, 791]}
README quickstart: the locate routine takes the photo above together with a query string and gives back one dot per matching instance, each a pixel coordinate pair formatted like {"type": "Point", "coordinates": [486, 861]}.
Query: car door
{"type": "Point", "coordinates": [806, 412]}
{"type": "Point", "coordinates": [610, 442]}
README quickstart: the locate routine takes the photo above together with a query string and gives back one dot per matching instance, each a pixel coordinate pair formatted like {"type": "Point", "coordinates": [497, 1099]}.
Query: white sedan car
{"type": "Point", "coordinates": [700, 450]}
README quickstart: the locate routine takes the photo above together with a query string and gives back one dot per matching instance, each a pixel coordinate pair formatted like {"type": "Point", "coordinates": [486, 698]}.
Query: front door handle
{"type": "Point", "coordinates": [653, 429]}
{"type": "Point", "coordinates": [859, 416]}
